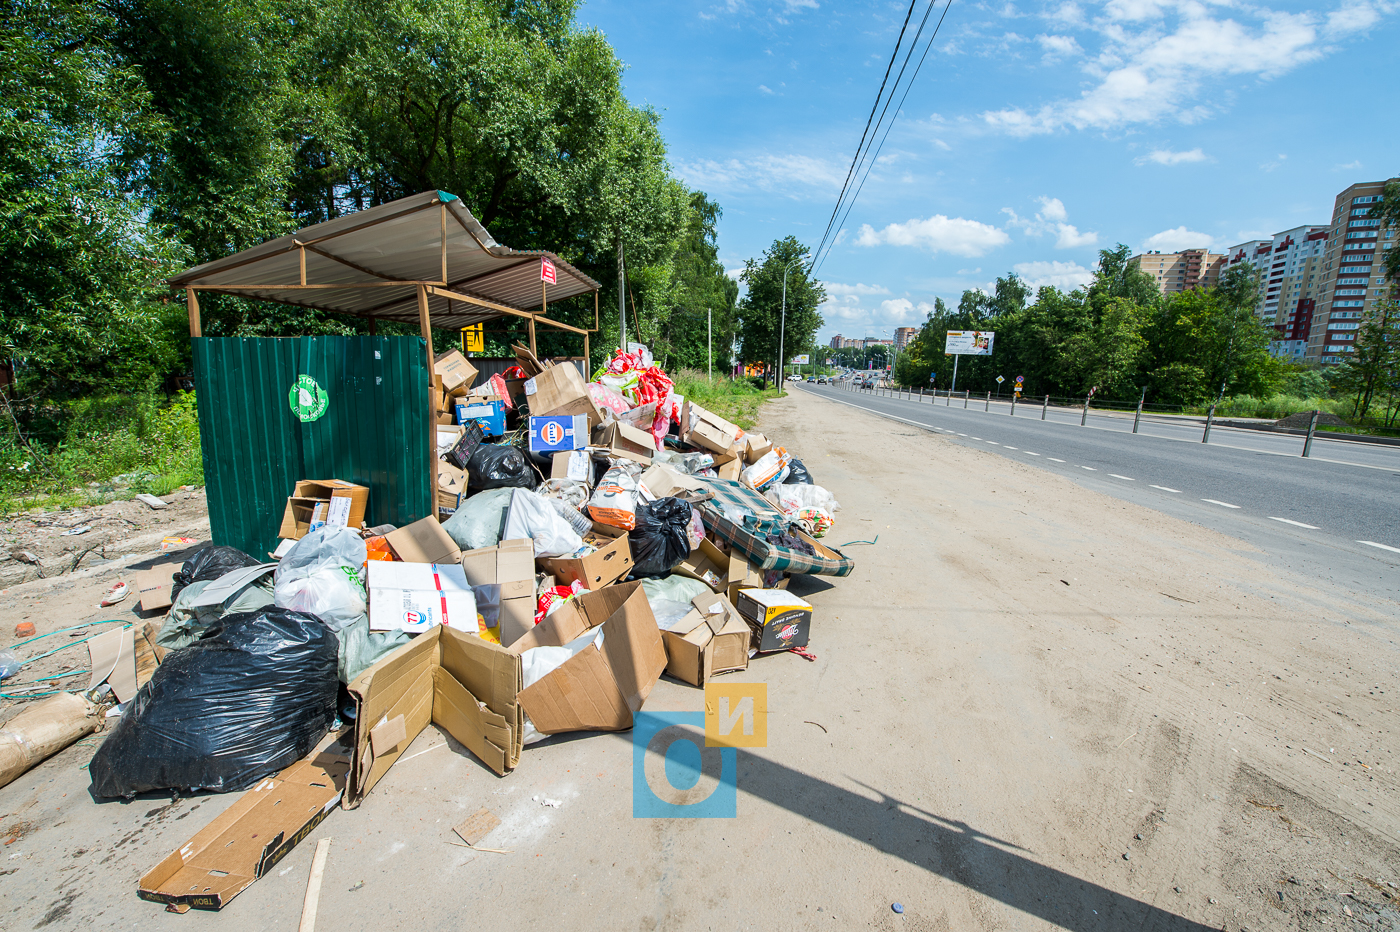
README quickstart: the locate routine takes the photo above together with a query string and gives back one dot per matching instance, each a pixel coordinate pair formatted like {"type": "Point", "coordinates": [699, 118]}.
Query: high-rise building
{"type": "Point", "coordinates": [1177, 271]}
{"type": "Point", "coordinates": [836, 342]}
{"type": "Point", "coordinates": [1288, 268]}
{"type": "Point", "coordinates": [903, 336]}
{"type": "Point", "coordinates": [1352, 278]}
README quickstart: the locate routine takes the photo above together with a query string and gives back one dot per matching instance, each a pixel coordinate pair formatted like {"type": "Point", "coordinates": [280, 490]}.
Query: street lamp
{"type": "Point", "coordinates": [782, 327]}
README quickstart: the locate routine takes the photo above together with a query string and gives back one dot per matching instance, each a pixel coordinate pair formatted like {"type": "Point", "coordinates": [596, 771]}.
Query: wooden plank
{"type": "Point", "coordinates": [313, 887]}
{"type": "Point", "coordinates": [149, 654]}
{"type": "Point", "coordinates": [192, 304]}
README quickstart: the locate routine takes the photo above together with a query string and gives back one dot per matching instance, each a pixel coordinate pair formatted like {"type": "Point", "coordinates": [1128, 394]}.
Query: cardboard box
{"type": "Point", "coordinates": [779, 620]}
{"type": "Point", "coordinates": [662, 480]}
{"type": "Point", "coordinates": [609, 563]}
{"type": "Point", "coordinates": [251, 836]}
{"type": "Point", "coordinates": [423, 541]}
{"type": "Point", "coordinates": [418, 596]}
{"type": "Point", "coordinates": [465, 685]}
{"type": "Point", "coordinates": [706, 563]}
{"type": "Point", "coordinates": [596, 690]}
{"type": "Point", "coordinates": [755, 446]}
{"type": "Point", "coordinates": [490, 415]}
{"type": "Point", "coordinates": [728, 466]}
{"type": "Point", "coordinates": [451, 485]}
{"type": "Point", "coordinates": [742, 575]}
{"type": "Point", "coordinates": [315, 502]}
{"type": "Point", "coordinates": [712, 639]}
{"type": "Point", "coordinates": [625, 441]}
{"type": "Point", "coordinates": [153, 586]}
{"type": "Point", "coordinates": [576, 465]}
{"type": "Point", "coordinates": [561, 390]}
{"type": "Point", "coordinates": [552, 433]}
{"type": "Point", "coordinates": [510, 565]}
{"type": "Point", "coordinates": [456, 373]}
{"type": "Point", "coordinates": [707, 429]}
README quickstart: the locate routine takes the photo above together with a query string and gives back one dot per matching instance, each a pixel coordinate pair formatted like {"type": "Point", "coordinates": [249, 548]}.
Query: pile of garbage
{"type": "Point", "coordinates": [589, 537]}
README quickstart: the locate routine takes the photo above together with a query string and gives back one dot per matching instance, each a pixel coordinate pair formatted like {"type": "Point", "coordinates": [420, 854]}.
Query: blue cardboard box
{"type": "Point", "coordinates": [558, 433]}
{"type": "Point", "coordinates": [490, 415]}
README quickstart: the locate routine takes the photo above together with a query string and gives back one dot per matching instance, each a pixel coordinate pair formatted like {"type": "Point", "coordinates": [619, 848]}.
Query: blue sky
{"type": "Point", "coordinates": [1035, 135]}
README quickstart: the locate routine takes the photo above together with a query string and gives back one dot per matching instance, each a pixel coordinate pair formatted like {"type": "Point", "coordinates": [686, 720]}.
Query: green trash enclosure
{"type": "Point", "coordinates": [275, 410]}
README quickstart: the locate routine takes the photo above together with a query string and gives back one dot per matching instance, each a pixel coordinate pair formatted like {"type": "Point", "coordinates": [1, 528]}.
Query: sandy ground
{"type": "Point", "coordinates": [1033, 707]}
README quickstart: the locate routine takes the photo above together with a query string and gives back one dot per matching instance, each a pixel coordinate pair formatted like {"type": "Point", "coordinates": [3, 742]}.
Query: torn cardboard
{"type": "Point", "coordinates": [423, 541]}
{"type": "Point", "coordinates": [625, 441]}
{"type": "Point", "coordinates": [315, 502]}
{"type": "Point", "coordinates": [610, 562]}
{"type": "Point", "coordinates": [510, 565]}
{"type": "Point", "coordinates": [712, 639]}
{"type": "Point", "coordinates": [153, 586]}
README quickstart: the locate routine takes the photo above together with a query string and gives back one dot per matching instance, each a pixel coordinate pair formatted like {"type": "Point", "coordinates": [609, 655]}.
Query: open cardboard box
{"type": "Point", "coordinates": [561, 390]}
{"type": "Point", "coordinates": [610, 562]}
{"type": "Point", "coordinates": [755, 446]}
{"type": "Point", "coordinates": [225, 857]}
{"type": "Point", "coordinates": [596, 690]}
{"type": "Point", "coordinates": [423, 541]}
{"type": "Point", "coordinates": [712, 639]}
{"type": "Point", "coordinates": [706, 429]}
{"type": "Point", "coordinates": [332, 501]}
{"type": "Point", "coordinates": [456, 373]}
{"type": "Point", "coordinates": [510, 565]}
{"type": "Point", "coordinates": [626, 441]}
{"type": "Point", "coordinates": [463, 684]}
{"type": "Point", "coordinates": [706, 563]}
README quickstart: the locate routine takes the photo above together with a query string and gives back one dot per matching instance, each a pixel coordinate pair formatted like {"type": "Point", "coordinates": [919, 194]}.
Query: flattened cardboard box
{"type": "Point", "coordinates": [230, 853]}
{"type": "Point", "coordinates": [712, 639]}
{"type": "Point", "coordinates": [510, 565]}
{"type": "Point", "coordinates": [596, 690]}
{"type": "Point", "coordinates": [463, 684]}
{"type": "Point", "coordinates": [153, 586]}
{"type": "Point", "coordinates": [610, 562]}
{"type": "Point", "coordinates": [423, 541]}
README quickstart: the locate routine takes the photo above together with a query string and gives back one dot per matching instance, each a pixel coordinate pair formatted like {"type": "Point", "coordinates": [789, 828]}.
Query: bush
{"type": "Point", "coordinates": [737, 400]}
{"type": "Point", "coordinates": [1273, 407]}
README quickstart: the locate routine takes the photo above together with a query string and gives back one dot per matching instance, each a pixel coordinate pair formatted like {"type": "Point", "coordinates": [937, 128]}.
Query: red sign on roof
{"type": "Point", "coordinates": [547, 272]}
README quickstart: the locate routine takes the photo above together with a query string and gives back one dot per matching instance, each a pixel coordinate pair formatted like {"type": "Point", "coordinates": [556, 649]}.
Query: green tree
{"type": "Point", "coordinates": [1373, 370]}
{"type": "Point", "coordinates": [761, 313]}
{"type": "Point", "coordinates": [1388, 212]}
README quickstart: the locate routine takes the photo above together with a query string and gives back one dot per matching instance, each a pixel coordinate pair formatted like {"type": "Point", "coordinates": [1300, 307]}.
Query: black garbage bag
{"type": "Point", "coordinates": [659, 540]}
{"type": "Point", "coordinates": [798, 474]}
{"type": "Point", "coordinates": [250, 698]}
{"type": "Point", "coordinates": [499, 466]}
{"type": "Point", "coordinates": [209, 564]}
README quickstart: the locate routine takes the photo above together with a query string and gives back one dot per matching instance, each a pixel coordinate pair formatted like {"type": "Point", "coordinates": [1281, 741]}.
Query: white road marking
{"type": "Point", "coordinates": [994, 443]}
{"type": "Point", "coordinates": [1221, 504]}
{"type": "Point", "coordinates": [1116, 476]}
{"type": "Point", "coordinates": [1371, 543]}
{"type": "Point", "coordinates": [960, 434]}
{"type": "Point", "coordinates": [1310, 527]}
{"type": "Point", "coordinates": [1010, 448]}
{"type": "Point", "coordinates": [974, 438]}
{"type": "Point", "coordinates": [1054, 460]}
{"type": "Point", "coordinates": [1090, 468]}
{"type": "Point", "coordinates": [1165, 489]}
{"type": "Point", "coordinates": [1029, 453]}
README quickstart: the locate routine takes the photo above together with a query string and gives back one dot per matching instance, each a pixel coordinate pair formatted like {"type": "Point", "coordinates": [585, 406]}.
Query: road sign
{"type": "Point", "coordinates": [473, 339]}
{"type": "Point", "coordinates": [547, 272]}
{"type": "Point", "coordinates": [1000, 379]}
{"type": "Point", "coordinates": [1020, 379]}
{"type": "Point", "coordinates": [968, 343]}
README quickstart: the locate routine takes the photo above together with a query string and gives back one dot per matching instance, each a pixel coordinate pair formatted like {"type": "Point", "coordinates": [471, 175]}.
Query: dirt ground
{"type": "Point", "coordinates": [1033, 706]}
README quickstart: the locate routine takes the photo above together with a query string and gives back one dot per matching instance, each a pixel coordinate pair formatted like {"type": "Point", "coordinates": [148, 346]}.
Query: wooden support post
{"type": "Point", "coordinates": [425, 323]}
{"type": "Point", "coordinates": [301, 258]}
{"type": "Point", "coordinates": [192, 303]}
{"type": "Point", "coordinates": [532, 335]}
{"type": "Point", "coordinates": [595, 310]}
{"type": "Point", "coordinates": [587, 363]}
{"type": "Point", "coordinates": [443, 218]}
{"type": "Point", "coordinates": [373, 328]}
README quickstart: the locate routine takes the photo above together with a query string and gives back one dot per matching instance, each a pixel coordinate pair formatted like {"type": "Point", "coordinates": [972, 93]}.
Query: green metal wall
{"type": "Point", "coordinates": [365, 419]}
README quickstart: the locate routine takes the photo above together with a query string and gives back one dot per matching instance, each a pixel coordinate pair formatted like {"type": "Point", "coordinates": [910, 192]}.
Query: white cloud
{"type": "Point", "coordinates": [794, 5]}
{"type": "Point", "coordinates": [837, 289]}
{"type": "Point", "coordinates": [1051, 218]}
{"type": "Point", "coordinates": [1063, 275]}
{"type": "Point", "coordinates": [1273, 163]}
{"type": "Point", "coordinates": [1168, 157]}
{"type": "Point", "coordinates": [1057, 47]}
{"type": "Point", "coordinates": [734, 273]}
{"type": "Point", "coordinates": [766, 173]}
{"type": "Point", "coordinates": [942, 145]}
{"type": "Point", "coordinates": [937, 234]}
{"type": "Point", "coordinates": [765, 89]}
{"type": "Point", "coordinates": [1348, 167]}
{"type": "Point", "coordinates": [1166, 59]}
{"type": "Point", "coordinates": [1177, 239]}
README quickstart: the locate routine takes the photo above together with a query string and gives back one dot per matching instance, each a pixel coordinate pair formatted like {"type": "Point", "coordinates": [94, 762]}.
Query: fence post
{"type": "Point", "coordinates": [1013, 405]}
{"type": "Point", "coordinates": [1137, 417]}
{"type": "Point", "coordinates": [989, 402]}
{"type": "Point", "coordinates": [1312, 426]}
{"type": "Point", "coordinates": [1085, 416]}
{"type": "Point", "coordinates": [1210, 416]}
{"type": "Point", "coordinates": [966, 393]}
{"type": "Point", "coordinates": [1045, 407]}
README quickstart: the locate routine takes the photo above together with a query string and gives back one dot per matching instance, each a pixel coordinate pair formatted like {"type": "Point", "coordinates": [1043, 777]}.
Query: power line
{"type": "Point", "coordinates": [880, 94]}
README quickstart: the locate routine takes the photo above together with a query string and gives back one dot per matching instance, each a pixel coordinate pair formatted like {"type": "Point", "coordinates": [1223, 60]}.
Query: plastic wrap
{"type": "Point", "coordinates": [498, 466]}
{"type": "Point", "coordinates": [479, 520]}
{"type": "Point", "coordinates": [322, 575]}
{"type": "Point", "coordinates": [209, 564]}
{"type": "Point", "coordinates": [771, 467]}
{"type": "Point", "coordinates": [360, 648]}
{"type": "Point", "coordinates": [244, 702]}
{"type": "Point", "coordinates": [660, 539]}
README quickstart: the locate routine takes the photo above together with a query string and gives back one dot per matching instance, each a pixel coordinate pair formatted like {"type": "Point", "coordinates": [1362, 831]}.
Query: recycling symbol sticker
{"type": "Point", "coordinates": [308, 400]}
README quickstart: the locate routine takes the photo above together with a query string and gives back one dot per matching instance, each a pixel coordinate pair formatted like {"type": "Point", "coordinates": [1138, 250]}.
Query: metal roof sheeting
{"type": "Point", "coordinates": [392, 247]}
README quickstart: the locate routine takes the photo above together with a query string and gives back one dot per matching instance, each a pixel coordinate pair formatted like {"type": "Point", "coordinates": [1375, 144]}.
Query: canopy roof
{"type": "Point", "coordinates": [372, 263]}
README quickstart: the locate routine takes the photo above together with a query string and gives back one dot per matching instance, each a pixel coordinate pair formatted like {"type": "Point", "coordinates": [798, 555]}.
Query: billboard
{"type": "Point", "coordinates": [801, 360]}
{"type": "Point", "coordinates": [969, 343]}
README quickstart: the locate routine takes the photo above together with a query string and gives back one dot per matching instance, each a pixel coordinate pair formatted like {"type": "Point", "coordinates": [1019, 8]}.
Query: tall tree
{"type": "Point", "coordinates": [761, 314]}
{"type": "Point", "coordinates": [1373, 368]}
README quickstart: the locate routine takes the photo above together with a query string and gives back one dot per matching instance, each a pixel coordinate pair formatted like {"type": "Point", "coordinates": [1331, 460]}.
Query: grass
{"type": "Point", "coordinates": [97, 450]}
{"type": "Point", "coordinates": [1274, 407]}
{"type": "Point", "coordinates": [737, 400]}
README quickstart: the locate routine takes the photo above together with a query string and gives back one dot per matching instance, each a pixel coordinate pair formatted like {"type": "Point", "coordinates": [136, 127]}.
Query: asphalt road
{"type": "Point", "coordinates": [1334, 515]}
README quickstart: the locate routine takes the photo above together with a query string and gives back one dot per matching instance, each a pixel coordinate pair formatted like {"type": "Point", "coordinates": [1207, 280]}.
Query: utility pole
{"type": "Point", "coordinates": [710, 341]}
{"type": "Point", "coordinates": [621, 299]}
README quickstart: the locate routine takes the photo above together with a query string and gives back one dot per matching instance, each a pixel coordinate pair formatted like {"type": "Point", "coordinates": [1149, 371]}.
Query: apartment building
{"type": "Point", "coordinates": [1177, 271]}
{"type": "Point", "coordinates": [1288, 267]}
{"type": "Point", "coordinates": [903, 336]}
{"type": "Point", "coordinates": [1352, 277]}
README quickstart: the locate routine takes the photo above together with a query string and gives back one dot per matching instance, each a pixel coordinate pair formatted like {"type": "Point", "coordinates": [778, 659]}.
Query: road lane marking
{"type": "Point", "coordinates": [994, 443]}
{"type": "Point", "coordinates": [1010, 448]}
{"type": "Point", "coordinates": [1310, 527]}
{"type": "Point", "coordinates": [1090, 468]}
{"type": "Point", "coordinates": [1054, 460]}
{"type": "Point", "coordinates": [1371, 543]}
{"type": "Point", "coordinates": [1165, 489]}
{"type": "Point", "coordinates": [960, 434]}
{"type": "Point", "coordinates": [1116, 476]}
{"type": "Point", "coordinates": [1029, 453]}
{"type": "Point", "coordinates": [1221, 504]}
{"type": "Point", "coordinates": [974, 438]}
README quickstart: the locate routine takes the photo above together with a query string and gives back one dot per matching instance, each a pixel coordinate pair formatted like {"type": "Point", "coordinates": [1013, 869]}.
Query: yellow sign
{"type": "Point", "coordinates": [473, 339]}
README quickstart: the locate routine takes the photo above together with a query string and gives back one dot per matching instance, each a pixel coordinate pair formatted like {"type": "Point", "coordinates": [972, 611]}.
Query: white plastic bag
{"type": "Point", "coordinates": [321, 575]}
{"type": "Point", "coordinates": [793, 498]}
{"type": "Point", "coordinates": [538, 662]}
{"type": "Point", "coordinates": [769, 468]}
{"type": "Point", "coordinates": [614, 502]}
{"type": "Point", "coordinates": [533, 517]}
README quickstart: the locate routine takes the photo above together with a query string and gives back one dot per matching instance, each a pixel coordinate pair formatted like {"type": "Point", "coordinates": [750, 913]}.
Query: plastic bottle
{"type": "Point", "coordinates": [9, 664]}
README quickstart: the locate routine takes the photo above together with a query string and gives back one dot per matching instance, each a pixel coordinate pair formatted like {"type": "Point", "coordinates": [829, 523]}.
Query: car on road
{"type": "Point", "coordinates": [821, 380]}
{"type": "Point", "coordinates": [811, 378]}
